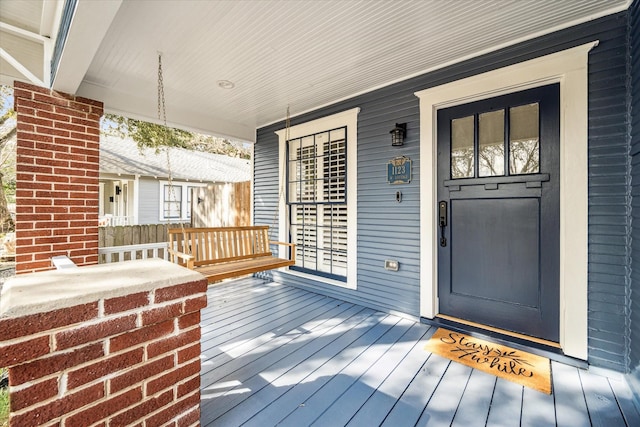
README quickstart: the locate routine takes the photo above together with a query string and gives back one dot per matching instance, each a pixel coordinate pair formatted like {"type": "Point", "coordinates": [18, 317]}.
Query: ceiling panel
{"type": "Point", "coordinates": [21, 13]}
{"type": "Point", "coordinates": [297, 53]}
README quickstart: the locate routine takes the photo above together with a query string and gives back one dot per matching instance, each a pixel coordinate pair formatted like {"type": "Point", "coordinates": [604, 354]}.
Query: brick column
{"type": "Point", "coordinates": [57, 162]}
{"type": "Point", "coordinates": [110, 343]}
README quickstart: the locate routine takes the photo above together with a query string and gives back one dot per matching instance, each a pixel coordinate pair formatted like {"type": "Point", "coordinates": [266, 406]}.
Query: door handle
{"type": "Point", "coordinates": [442, 214]}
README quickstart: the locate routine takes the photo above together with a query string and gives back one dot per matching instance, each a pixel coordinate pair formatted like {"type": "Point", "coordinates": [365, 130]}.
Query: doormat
{"type": "Point", "coordinates": [524, 368]}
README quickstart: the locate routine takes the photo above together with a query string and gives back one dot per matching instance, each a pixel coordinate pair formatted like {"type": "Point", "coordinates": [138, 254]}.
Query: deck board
{"type": "Point", "coordinates": [278, 381]}
{"type": "Point", "coordinates": [506, 404]}
{"type": "Point", "coordinates": [476, 400]}
{"type": "Point", "coordinates": [380, 403]}
{"type": "Point", "coordinates": [571, 407]}
{"type": "Point", "coordinates": [625, 401]}
{"type": "Point", "coordinates": [278, 355]}
{"type": "Point", "coordinates": [445, 400]}
{"type": "Point", "coordinates": [259, 322]}
{"type": "Point", "coordinates": [263, 351]}
{"type": "Point", "coordinates": [344, 406]}
{"type": "Point", "coordinates": [300, 383]}
{"type": "Point", "coordinates": [408, 409]}
{"type": "Point", "coordinates": [307, 411]}
{"type": "Point", "coordinates": [537, 409]}
{"type": "Point", "coordinates": [601, 403]}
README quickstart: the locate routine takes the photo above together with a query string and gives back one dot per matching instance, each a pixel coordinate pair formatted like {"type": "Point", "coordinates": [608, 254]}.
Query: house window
{"type": "Point", "coordinates": [172, 201]}
{"type": "Point", "coordinates": [175, 200]}
{"type": "Point", "coordinates": [318, 209]}
{"type": "Point", "coordinates": [317, 198]}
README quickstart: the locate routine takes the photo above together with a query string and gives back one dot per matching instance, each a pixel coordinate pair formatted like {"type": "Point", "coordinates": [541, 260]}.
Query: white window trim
{"type": "Point", "coordinates": [184, 185]}
{"type": "Point", "coordinates": [570, 69]}
{"type": "Point", "coordinates": [348, 118]}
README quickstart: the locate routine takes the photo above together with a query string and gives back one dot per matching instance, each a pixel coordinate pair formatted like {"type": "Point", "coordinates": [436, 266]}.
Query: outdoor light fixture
{"type": "Point", "coordinates": [118, 190]}
{"type": "Point", "coordinates": [397, 134]}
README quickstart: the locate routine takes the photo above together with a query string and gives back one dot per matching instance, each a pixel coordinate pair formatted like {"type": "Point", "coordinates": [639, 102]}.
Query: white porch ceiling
{"type": "Point", "coordinates": [297, 53]}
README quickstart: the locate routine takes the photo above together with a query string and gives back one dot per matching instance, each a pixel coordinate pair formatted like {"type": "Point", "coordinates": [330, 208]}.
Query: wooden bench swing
{"type": "Point", "coordinates": [221, 252]}
{"type": "Point", "coordinates": [225, 252]}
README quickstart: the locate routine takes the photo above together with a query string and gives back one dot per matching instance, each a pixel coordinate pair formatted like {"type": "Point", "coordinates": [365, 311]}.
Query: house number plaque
{"type": "Point", "coordinates": [399, 170]}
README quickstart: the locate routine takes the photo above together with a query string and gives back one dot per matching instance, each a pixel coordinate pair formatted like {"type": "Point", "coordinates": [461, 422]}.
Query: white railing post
{"type": "Point", "coordinates": [157, 250]}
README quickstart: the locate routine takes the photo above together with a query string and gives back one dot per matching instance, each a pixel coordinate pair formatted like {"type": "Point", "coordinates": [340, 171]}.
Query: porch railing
{"type": "Point", "coordinates": [111, 220]}
{"type": "Point", "coordinates": [129, 252]}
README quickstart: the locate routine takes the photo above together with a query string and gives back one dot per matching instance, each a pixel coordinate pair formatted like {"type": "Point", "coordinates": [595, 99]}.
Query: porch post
{"type": "Point", "coordinates": [57, 161]}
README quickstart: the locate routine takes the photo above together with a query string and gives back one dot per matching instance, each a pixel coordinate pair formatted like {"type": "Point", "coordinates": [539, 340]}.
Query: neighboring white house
{"type": "Point", "coordinates": [135, 187]}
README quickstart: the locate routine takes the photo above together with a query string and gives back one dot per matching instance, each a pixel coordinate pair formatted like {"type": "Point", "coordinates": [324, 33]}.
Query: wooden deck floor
{"type": "Point", "coordinates": [278, 355]}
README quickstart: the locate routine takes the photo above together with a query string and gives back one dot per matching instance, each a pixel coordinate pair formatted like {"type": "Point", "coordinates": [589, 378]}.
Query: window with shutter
{"type": "Point", "coordinates": [317, 197]}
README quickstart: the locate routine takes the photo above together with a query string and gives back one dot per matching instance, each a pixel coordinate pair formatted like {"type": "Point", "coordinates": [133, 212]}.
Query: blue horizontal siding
{"type": "Point", "coordinates": [390, 230]}
{"type": "Point", "coordinates": [633, 101]}
{"type": "Point", "coordinates": [609, 169]}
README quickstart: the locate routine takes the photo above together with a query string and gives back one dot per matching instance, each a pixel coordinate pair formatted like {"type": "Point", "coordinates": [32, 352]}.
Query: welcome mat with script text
{"type": "Point", "coordinates": [518, 366]}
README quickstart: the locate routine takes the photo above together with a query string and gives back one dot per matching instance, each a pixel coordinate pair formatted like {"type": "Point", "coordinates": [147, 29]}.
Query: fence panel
{"type": "Point", "coordinates": [221, 205]}
{"type": "Point", "coordinates": [124, 235]}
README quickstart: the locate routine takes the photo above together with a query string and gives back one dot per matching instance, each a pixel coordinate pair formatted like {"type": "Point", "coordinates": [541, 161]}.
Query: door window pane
{"type": "Point", "coordinates": [491, 143]}
{"type": "Point", "coordinates": [524, 139]}
{"type": "Point", "coordinates": [462, 155]}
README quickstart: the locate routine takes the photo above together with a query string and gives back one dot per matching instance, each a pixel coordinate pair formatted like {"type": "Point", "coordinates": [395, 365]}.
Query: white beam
{"type": "Point", "coordinates": [89, 25]}
{"type": "Point", "coordinates": [50, 18]}
{"type": "Point", "coordinates": [21, 32]}
{"type": "Point", "coordinates": [49, 28]}
{"type": "Point", "coordinates": [21, 68]}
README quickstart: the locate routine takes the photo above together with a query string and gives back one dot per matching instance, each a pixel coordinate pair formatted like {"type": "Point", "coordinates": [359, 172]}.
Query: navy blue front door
{"type": "Point", "coordinates": [498, 193]}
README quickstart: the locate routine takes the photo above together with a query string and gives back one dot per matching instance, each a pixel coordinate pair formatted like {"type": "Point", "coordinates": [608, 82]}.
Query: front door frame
{"type": "Point", "coordinates": [570, 69]}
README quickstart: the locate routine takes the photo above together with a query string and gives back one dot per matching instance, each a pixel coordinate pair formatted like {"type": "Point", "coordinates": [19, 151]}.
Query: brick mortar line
{"type": "Point", "coordinates": [98, 320]}
{"type": "Point", "coordinates": [47, 401]}
{"type": "Point", "coordinates": [59, 375]}
{"type": "Point", "coordinates": [175, 401]}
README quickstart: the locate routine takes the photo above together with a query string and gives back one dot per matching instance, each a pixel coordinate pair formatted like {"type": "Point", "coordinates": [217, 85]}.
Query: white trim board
{"type": "Point", "coordinates": [570, 69]}
{"type": "Point", "coordinates": [348, 118]}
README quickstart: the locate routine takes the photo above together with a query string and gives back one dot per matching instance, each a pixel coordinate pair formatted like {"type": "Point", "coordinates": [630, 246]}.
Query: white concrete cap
{"type": "Point", "coordinates": [51, 290]}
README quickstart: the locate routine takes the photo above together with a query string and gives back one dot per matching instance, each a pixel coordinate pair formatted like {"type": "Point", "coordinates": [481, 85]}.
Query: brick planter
{"type": "Point", "coordinates": [117, 344]}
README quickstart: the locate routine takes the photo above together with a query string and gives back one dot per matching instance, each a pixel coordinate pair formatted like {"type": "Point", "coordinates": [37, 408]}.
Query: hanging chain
{"type": "Point", "coordinates": [162, 111]}
{"type": "Point", "coordinates": [162, 116]}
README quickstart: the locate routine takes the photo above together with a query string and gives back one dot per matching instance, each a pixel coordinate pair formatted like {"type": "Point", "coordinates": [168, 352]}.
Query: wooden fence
{"type": "Point", "coordinates": [125, 235]}
{"type": "Point", "coordinates": [126, 242]}
{"type": "Point", "coordinates": [221, 205]}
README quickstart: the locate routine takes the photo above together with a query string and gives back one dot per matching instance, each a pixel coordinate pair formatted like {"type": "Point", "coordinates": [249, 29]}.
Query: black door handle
{"type": "Point", "coordinates": [442, 213]}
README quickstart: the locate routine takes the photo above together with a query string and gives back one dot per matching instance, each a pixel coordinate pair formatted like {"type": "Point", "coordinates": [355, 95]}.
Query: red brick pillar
{"type": "Point", "coordinates": [57, 161]}
{"type": "Point", "coordinates": [119, 344]}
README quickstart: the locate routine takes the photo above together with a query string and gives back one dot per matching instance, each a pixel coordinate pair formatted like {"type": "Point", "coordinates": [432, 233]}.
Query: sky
{"type": "Point", "coordinates": [7, 104]}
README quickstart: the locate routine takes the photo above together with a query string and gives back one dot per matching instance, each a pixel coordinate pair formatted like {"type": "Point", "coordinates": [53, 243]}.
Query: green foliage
{"type": "Point", "coordinates": [151, 135]}
{"type": "Point", "coordinates": [10, 188]}
{"type": "Point", "coordinates": [6, 104]}
{"type": "Point", "coordinates": [146, 134]}
{"type": "Point", "coordinates": [4, 403]}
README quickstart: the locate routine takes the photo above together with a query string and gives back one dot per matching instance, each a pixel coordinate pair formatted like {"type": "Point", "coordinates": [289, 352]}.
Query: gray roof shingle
{"type": "Point", "coordinates": [122, 156]}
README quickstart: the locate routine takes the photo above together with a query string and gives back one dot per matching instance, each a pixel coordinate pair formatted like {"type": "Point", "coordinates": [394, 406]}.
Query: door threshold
{"type": "Point", "coordinates": [501, 331]}
{"type": "Point", "coordinates": [545, 348]}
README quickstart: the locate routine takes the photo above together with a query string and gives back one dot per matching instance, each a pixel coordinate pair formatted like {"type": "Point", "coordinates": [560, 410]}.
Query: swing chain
{"type": "Point", "coordinates": [162, 116]}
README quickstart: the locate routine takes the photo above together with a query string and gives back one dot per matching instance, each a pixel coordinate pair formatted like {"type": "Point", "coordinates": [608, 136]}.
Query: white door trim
{"type": "Point", "coordinates": [570, 69]}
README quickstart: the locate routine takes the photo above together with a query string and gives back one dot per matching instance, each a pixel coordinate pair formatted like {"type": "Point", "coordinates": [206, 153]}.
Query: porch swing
{"type": "Point", "coordinates": [219, 252]}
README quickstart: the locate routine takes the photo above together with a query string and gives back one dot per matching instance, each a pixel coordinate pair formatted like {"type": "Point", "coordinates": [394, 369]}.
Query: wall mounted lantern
{"type": "Point", "coordinates": [118, 190]}
{"type": "Point", "coordinates": [397, 134]}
